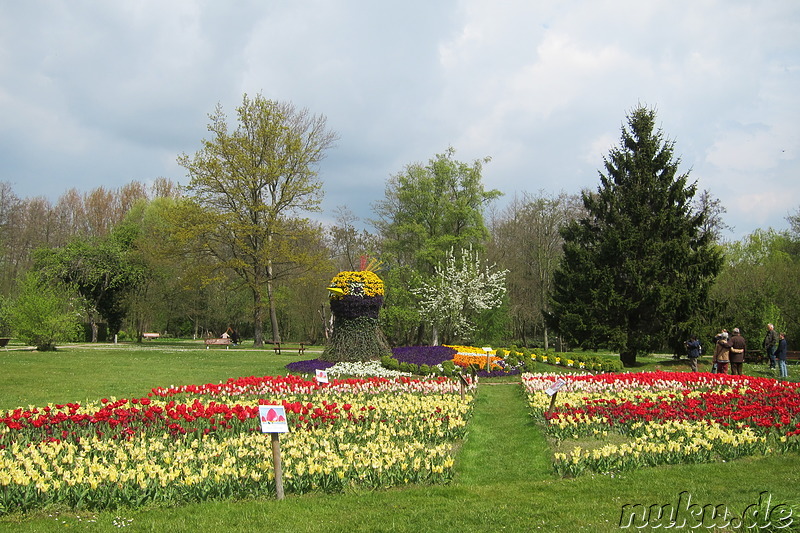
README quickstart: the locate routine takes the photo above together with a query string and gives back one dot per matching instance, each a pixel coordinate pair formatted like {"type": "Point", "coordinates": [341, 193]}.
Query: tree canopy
{"type": "Point", "coordinates": [637, 267]}
{"type": "Point", "coordinates": [429, 209]}
{"type": "Point", "coordinates": [248, 189]}
{"type": "Point", "coordinates": [103, 270]}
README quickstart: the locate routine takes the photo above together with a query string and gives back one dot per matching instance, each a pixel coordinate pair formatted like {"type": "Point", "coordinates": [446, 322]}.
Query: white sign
{"type": "Point", "coordinates": [322, 376]}
{"type": "Point", "coordinates": [555, 387]}
{"type": "Point", "coordinates": [273, 419]}
{"type": "Point", "coordinates": [487, 349]}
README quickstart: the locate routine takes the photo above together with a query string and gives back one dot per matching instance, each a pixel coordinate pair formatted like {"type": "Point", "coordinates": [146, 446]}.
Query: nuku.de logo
{"type": "Point", "coordinates": [687, 515]}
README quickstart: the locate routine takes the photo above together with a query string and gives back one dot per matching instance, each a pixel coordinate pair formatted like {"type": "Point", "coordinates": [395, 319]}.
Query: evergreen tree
{"type": "Point", "coordinates": [637, 267]}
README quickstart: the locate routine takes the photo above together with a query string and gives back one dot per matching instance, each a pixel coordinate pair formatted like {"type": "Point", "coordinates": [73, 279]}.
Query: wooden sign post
{"type": "Point", "coordinates": [463, 382]}
{"type": "Point", "coordinates": [553, 391]}
{"type": "Point", "coordinates": [273, 421]}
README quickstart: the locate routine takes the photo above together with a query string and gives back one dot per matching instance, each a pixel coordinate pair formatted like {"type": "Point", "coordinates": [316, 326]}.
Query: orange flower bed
{"type": "Point", "coordinates": [465, 360]}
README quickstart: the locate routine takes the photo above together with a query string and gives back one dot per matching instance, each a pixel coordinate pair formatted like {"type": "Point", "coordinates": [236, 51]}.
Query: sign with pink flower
{"type": "Point", "coordinates": [273, 419]}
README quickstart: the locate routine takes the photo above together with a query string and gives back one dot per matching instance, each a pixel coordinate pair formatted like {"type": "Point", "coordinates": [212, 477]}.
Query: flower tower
{"type": "Point", "coordinates": [356, 298]}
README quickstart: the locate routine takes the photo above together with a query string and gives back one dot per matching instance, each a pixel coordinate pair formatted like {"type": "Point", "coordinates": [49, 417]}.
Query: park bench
{"type": "Point", "coordinates": [754, 356]}
{"type": "Point", "coordinates": [218, 342]}
{"type": "Point", "coordinates": [758, 356]}
{"type": "Point", "coordinates": [299, 346]}
{"type": "Point", "coordinates": [150, 335]}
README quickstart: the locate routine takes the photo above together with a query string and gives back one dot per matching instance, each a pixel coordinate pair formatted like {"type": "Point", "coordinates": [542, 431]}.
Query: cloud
{"type": "Point", "coordinates": [98, 93]}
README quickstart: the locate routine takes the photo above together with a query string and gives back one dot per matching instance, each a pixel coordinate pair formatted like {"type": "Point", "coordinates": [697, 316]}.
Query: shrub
{"type": "Point", "coordinates": [448, 368]}
{"type": "Point", "coordinates": [44, 314]}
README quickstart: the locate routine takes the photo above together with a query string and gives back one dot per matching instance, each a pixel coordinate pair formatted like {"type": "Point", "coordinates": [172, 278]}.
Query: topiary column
{"type": "Point", "coordinates": [356, 298]}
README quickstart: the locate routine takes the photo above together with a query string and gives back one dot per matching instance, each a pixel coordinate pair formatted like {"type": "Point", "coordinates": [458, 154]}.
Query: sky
{"type": "Point", "coordinates": [96, 93]}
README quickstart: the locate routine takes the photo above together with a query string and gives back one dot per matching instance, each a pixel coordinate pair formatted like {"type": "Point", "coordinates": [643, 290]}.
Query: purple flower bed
{"type": "Point", "coordinates": [308, 367]}
{"type": "Point", "coordinates": [513, 371]}
{"type": "Point", "coordinates": [423, 355]}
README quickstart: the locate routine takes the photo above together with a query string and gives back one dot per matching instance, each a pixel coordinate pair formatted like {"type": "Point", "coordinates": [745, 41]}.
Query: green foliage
{"type": "Point", "coordinates": [432, 208]}
{"type": "Point", "coordinates": [758, 285]}
{"type": "Point", "coordinates": [512, 359]}
{"type": "Point", "coordinates": [400, 318]}
{"type": "Point", "coordinates": [390, 363]}
{"type": "Point", "coordinates": [44, 314]}
{"type": "Point", "coordinates": [103, 270]}
{"type": "Point", "coordinates": [428, 209]}
{"type": "Point", "coordinates": [356, 339]}
{"type": "Point", "coordinates": [636, 268]}
{"type": "Point", "coordinates": [493, 326]}
{"type": "Point", "coordinates": [247, 187]}
{"type": "Point", "coordinates": [448, 368]}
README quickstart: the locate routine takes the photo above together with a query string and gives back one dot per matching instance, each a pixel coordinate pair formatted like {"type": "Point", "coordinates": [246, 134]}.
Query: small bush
{"type": "Point", "coordinates": [448, 368]}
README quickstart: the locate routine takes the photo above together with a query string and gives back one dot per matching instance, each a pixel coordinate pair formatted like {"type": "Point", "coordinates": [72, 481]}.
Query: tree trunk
{"type": "Point", "coordinates": [546, 340]}
{"type": "Point", "coordinates": [628, 358]}
{"type": "Point", "coordinates": [258, 319]}
{"type": "Point", "coordinates": [273, 313]}
{"type": "Point", "coordinates": [435, 335]}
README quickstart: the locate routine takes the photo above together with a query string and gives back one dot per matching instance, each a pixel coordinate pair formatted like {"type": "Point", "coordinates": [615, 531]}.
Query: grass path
{"type": "Point", "coordinates": [502, 433]}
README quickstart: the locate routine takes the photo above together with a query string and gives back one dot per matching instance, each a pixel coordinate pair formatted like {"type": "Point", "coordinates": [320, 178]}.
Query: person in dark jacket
{"type": "Point", "coordinates": [738, 347]}
{"type": "Point", "coordinates": [770, 343]}
{"type": "Point", "coordinates": [780, 355]}
{"type": "Point", "coordinates": [693, 351]}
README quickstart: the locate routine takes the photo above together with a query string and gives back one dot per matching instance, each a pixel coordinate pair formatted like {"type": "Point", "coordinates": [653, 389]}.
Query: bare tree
{"type": "Point", "coordinates": [526, 240]}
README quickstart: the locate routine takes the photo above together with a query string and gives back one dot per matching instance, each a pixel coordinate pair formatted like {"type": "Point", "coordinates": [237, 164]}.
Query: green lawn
{"type": "Point", "coordinates": [503, 478]}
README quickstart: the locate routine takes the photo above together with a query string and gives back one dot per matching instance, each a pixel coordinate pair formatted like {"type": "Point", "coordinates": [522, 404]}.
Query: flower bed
{"type": "Point", "coordinates": [197, 442]}
{"type": "Point", "coordinates": [665, 418]}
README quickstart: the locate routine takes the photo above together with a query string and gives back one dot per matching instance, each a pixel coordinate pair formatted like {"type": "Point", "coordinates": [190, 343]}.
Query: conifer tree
{"type": "Point", "coordinates": [637, 267]}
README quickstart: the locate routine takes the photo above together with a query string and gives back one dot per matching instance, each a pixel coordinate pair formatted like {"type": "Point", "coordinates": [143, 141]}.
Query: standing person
{"type": "Point", "coordinates": [780, 355]}
{"type": "Point", "coordinates": [693, 351]}
{"type": "Point", "coordinates": [738, 347]}
{"type": "Point", "coordinates": [770, 343]}
{"type": "Point", "coordinates": [722, 353]}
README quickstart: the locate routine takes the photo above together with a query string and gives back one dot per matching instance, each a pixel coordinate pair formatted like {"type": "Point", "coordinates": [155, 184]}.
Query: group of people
{"type": "Point", "coordinates": [776, 348]}
{"type": "Point", "coordinates": [729, 351]}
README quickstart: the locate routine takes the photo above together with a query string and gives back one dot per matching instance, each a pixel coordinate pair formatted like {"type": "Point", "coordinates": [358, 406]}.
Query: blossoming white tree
{"type": "Point", "coordinates": [458, 292]}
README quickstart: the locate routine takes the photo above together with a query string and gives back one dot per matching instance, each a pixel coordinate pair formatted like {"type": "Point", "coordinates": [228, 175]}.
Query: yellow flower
{"type": "Point", "coordinates": [357, 283]}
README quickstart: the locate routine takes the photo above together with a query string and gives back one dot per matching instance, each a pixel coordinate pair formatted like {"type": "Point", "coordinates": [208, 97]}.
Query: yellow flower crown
{"type": "Point", "coordinates": [358, 283]}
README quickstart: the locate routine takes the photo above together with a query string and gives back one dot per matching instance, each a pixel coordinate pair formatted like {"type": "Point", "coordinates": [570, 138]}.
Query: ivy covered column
{"type": "Point", "coordinates": [356, 298]}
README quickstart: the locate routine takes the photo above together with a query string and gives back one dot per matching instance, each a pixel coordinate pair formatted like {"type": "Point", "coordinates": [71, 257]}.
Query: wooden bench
{"type": "Point", "coordinates": [220, 342]}
{"type": "Point", "coordinates": [754, 356]}
{"type": "Point", "coordinates": [299, 346]}
{"type": "Point", "coordinates": [758, 356]}
{"type": "Point", "coordinates": [150, 335]}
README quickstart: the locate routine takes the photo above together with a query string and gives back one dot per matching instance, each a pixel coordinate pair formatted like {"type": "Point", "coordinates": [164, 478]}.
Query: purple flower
{"type": "Point", "coordinates": [423, 355]}
{"type": "Point", "coordinates": [308, 367]}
